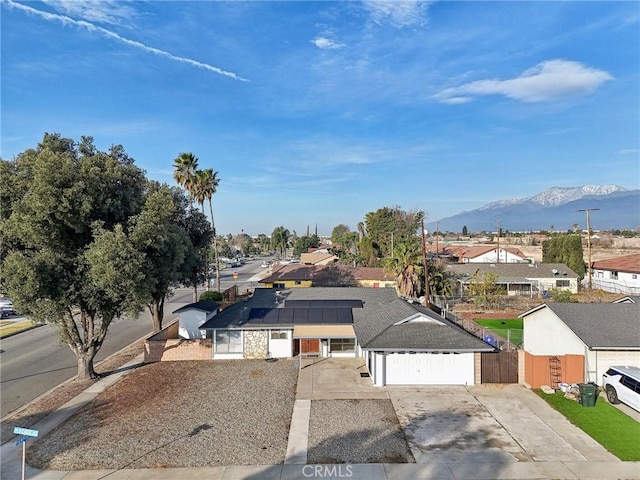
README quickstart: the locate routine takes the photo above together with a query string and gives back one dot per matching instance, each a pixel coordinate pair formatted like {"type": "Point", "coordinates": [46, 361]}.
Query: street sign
{"type": "Point", "coordinates": [21, 439]}
{"type": "Point", "coordinates": [25, 431]}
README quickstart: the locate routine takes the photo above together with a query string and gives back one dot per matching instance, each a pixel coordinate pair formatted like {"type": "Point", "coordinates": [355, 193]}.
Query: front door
{"type": "Point", "coordinates": [310, 346]}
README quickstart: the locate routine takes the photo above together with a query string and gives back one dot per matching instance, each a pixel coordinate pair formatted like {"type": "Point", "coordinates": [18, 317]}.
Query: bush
{"type": "Point", "coordinates": [562, 296]}
{"type": "Point", "coordinates": [213, 296]}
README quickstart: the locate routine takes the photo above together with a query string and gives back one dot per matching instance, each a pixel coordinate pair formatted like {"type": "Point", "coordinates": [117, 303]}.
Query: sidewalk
{"type": "Point", "coordinates": [294, 467]}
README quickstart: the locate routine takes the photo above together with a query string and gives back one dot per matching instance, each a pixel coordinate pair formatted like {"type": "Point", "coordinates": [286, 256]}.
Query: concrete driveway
{"type": "Point", "coordinates": [488, 424]}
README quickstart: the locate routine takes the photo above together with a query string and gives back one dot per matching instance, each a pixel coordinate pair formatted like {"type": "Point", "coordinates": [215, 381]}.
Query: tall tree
{"type": "Point", "coordinates": [565, 249]}
{"type": "Point", "coordinates": [185, 166]}
{"type": "Point", "coordinates": [405, 265]}
{"type": "Point", "coordinates": [391, 225]}
{"type": "Point", "coordinates": [205, 186]}
{"type": "Point", "coordinates": [66, 259]}
{"type": "Point", "coordinates": [280, 240]}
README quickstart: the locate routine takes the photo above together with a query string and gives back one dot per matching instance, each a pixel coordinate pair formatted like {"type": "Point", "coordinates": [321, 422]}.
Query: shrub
{"type": "Point", "coordinates": [211, 295]}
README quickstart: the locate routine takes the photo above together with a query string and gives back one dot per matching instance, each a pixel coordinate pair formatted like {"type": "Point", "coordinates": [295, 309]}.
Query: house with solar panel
{"type": "Point", "coordinates": [401, 343]}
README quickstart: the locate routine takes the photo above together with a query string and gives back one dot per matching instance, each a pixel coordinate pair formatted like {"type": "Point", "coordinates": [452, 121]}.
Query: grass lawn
{"type": "Point", "coordinates": [11, 328]}
{"type": "Point", "coordinates": [607, 425]}
{"type": "Point", "coordinates": [501, 327]}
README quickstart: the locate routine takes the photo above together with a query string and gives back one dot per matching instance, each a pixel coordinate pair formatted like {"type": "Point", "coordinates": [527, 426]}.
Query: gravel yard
{"type": "Point", "coordinates": [356, 431]}
{"type": "Point", "coordinates": [180, 414]}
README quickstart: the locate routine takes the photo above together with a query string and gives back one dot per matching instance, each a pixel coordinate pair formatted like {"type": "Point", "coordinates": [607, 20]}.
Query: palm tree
{"type": "Point", "coordinates": [207, 182]}
{"type": "Point", "coordinates": [405, 266]}
{"type": "Point", "coordinates": [185, 166]}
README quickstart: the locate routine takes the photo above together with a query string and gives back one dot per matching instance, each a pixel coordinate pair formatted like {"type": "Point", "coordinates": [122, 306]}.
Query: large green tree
{"type": "Point", "coordinates": [391, 226]}
{"type": "Point", "coordinates": [565, 249]}
{"type": "Point", "coordinates": [66, 258]}
{"type": "Point", "coordinates": [304, 243]}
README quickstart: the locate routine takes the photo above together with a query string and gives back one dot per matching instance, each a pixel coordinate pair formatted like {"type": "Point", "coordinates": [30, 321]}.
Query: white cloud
{"type": "Point", "coordinates": [108, 33]}
{"type": "Point", "coordinates": [401, 13]}
{"type": "Point", "coordinates": [326, 43]}
{"type": "Point", "coordinates": [629, 151]}
{"type": "Point", "coordinates": [115, 12]}
{"type": "Point", "coordinates": [547, 81]}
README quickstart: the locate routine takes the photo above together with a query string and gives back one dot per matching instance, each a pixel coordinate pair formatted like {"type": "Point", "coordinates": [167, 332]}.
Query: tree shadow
{"type": "Point", "coordinates": [333, 275]}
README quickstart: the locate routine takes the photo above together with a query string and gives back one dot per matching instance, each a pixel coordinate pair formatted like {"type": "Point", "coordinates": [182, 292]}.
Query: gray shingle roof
{"type": "Point", "coordinates": [602, 325]}
{"type": "Point", "coordinates": [373, 323]}
{"type": "Point", "coordinates": [515, 270]}
{"type": "Point", "coordinates": [203, 305]}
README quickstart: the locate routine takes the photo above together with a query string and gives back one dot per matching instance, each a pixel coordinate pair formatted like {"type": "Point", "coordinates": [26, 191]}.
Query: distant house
{"type": "Point", "coordinates": [296, 276]}
{"type": "Point", "coordinates": [617, 275]}
{"type": "Point", "coordinates": [317, 258]}
{"type": "Point", "coordinates": [485, 254]}
{"type": "Point", "coordinates": [578, 342]}
{"type": "Point", "coordinates": [530, 279]}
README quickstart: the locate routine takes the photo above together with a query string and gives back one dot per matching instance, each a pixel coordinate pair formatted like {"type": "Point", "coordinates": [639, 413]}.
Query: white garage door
{"type": "Point", "coordinates": [611, 359]}
{"type": "Point", "coordinates": [430, 369]}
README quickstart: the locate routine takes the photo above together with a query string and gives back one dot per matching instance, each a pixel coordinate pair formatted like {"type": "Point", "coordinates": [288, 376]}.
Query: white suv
{"type": "Point", "coordinates": [622, 384]}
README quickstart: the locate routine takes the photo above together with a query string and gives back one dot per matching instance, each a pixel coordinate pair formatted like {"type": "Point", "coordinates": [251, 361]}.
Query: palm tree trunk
{"type": "Point", "coordinates": [215, 247]}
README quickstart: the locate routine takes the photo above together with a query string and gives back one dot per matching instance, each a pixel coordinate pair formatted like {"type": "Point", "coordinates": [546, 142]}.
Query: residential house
{"type": "Point", "coordinates": [194, 315]}
{"type": "Point", "coordinates": [485, 254]}
{"type": "Point", "coordinates": [401, 343]}
{"type": "Point", "coordinates": [530, 279]}
{"type": "Point", "coordinates": [617, 275]}
{"type": "Point", "coordinates": [578, 342]}
{"type": "Point", "coordinates": [334, 275]}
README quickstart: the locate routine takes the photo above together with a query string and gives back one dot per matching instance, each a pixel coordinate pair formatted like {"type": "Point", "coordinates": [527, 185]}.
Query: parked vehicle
{"type": "Point", "coordinates": [6, 307]}
{"type": "Point", "coordinates": [622, 384]}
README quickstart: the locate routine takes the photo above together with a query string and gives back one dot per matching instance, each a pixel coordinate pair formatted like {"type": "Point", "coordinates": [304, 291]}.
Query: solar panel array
{"type": "Point", "coordinates": [323, 303]}
{"type": "Point", "coordinates": [300, 316]}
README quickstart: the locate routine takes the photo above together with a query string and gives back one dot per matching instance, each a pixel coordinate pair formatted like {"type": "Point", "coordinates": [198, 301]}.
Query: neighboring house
{"type": "Point", "coordinates": [628, 299]}
{"type": "Point", "coordinates": [617, 275]}
{"type": "Point", "coordinates": [317, 258]}
{"type": "Point", "coordinates": [296, 276]}
{"type": "Point", "coordinates": [194, 315]}
{"type": "Point", "coordinates": [530, 279]}
{"type": "Point", "coordinates": [401, 343]}
{"type": "Point", "coordinates": [484, 254]}
{"type": "Point", "coordinates": [578, 342]}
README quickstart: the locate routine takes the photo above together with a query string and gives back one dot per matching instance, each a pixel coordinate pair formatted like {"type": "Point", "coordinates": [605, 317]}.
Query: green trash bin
{"type": "Point", "coordinates": [588, 394]}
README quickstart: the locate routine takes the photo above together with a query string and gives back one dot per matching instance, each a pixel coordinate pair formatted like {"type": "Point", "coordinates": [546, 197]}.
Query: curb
{"type": "Point", "coordinates": [2, 337]}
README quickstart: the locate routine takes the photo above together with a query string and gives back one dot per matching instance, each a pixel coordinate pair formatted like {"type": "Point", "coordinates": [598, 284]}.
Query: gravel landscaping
{"type": "Point", "coordinates": [179, 414]}
{"type": "Point", "coordinates": [356, 431]}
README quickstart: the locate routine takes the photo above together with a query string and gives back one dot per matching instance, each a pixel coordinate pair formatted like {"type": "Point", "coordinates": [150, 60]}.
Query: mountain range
{"type": "Point", "coordinates": [557, 208]}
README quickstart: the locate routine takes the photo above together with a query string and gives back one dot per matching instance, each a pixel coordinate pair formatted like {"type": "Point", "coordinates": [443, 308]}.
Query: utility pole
{"type": "Point", "coordinates": [437, 239]}
{"type": "Point", "coordinates": [427, 302]}
{"type": "Point", "coordinates": [588, 210]}
{"type": "Point", "coordinates": [498, 249]}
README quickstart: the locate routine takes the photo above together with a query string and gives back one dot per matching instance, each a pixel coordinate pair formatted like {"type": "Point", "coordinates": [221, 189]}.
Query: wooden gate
{"type": "Point", "coordinates": [499, 367]}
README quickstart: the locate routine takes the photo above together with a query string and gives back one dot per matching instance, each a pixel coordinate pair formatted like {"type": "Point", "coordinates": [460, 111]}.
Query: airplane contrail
{"type": "Point", "coordinates": [108, 33]}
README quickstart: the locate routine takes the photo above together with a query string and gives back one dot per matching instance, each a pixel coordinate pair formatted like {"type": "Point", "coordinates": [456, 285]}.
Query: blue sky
{"type": "Point", "coordinates": [319, 112]}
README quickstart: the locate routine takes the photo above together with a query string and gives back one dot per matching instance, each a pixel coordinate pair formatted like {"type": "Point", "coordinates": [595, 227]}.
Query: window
{"type": "Point", "coordinates": [630, 383]}
{"type": "Point", "coordinates": [563, 283]}
{"type": "Point", "coordinates": [298, 282]}
{"type": "Point", "coordinates": [228, 341]}
{"type": "Point", "coordinates": [614, 275]}
{"type": "Point", "coordinates": [634, 276]}
{"type": "Point", "coordinates": [279, 334]}
{"type": "Point", "coordinates": [343, 344]}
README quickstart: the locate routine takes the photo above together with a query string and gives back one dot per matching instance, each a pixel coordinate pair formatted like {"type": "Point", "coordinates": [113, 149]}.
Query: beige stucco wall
{"type": "Point", "coordinates": [545, 334]}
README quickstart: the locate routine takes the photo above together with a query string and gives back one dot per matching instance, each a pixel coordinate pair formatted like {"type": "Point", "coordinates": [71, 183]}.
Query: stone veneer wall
{"type": "Point", "coordinates": [255, 343]}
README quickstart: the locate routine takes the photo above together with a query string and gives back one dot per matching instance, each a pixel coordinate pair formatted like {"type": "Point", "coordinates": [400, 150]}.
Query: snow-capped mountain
{"type": "Point", "coordinates": [558, 207]}
{"type": "Point", "coordinates": [560, 195]}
